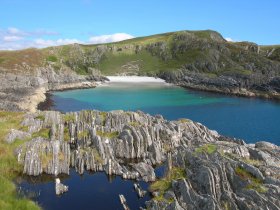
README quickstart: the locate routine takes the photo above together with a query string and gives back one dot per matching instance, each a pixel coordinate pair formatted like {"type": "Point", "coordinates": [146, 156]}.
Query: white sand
{"type": "Point", "coordinates": [135, 79]}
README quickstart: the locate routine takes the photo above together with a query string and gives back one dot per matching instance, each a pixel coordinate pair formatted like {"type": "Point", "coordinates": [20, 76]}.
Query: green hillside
{"type": "Point", "coordinates": [198, 51]}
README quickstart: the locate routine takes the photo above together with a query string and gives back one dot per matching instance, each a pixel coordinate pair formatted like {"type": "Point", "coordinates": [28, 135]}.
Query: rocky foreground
{"type": "Point", "coordinates": [204, 169]}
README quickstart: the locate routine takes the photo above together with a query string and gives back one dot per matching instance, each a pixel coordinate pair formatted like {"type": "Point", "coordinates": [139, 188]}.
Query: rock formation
{"type": "Point", "coordinates": [24, 92]}
{"type": "Point", "coordinates": [60, 188]}
{"type": "Point", "coordinates": [205, 170]}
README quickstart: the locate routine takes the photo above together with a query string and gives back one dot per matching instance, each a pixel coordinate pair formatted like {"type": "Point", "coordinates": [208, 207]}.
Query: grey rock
{"type": "Point", "coordinates": [60, 188]}
{"type": "Point", "coordinates": [16, 134]}
{"type": "Point", "coordinates": [131, 144]}
{"type": "Point", "coordinates": [146, 171]}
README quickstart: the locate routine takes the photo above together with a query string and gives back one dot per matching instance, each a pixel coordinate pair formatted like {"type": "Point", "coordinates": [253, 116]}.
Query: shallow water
{"type": "Point", "coordinates": [245, 118]}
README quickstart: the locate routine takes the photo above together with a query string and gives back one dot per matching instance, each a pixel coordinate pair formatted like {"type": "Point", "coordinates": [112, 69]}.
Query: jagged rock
{"type": "Point", "coordinates": [60, 188]}
{"type": "Point", "coordinates": [141, 193]}
{"type": "Point", "coordinates": [123, 202]}
{"type": "Point", "coordinates": [216, 172]}
{"type": "Point", "coordinates": [265, 145]}
{"type": "Point", "coordinates": [146, 171]}
{"type": "Point", "coordinates": [16, 134]}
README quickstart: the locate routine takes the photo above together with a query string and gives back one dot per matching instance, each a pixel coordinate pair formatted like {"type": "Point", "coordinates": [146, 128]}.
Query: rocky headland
{"type": "Point", "coordinates": [19, 92]}
{"type": "Point", "coordinates": [204, 170]}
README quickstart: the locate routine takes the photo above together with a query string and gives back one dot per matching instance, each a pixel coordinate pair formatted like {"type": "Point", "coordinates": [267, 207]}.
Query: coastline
{"type": "Point", "coordinates": [41, 94]}
{"type": "Point", "coordinates": [135, 79]}
{"type": "Point", "coordinates": [45, 103]}
{"type": "Point", "coordinates": [243, 93]}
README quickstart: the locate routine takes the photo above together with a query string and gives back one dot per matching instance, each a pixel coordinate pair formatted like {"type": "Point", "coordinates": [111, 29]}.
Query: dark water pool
{"type": "Point", "coordinates": [90, 191]}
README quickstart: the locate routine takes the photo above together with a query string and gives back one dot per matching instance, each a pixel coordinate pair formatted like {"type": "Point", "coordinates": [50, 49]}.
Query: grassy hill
{"type": "Point", "coordinates": [205, 52]}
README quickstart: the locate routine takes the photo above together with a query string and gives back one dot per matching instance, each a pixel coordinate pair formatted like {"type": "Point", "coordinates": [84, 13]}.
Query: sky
{"type": "Point", "coordinates": [43, 23]}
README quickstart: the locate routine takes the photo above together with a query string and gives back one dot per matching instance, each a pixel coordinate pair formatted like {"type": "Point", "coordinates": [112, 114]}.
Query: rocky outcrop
{"type": "Point", "coordinates": [205, 170]}
{"type": "Point", "coordinates": [242, 85]}
{"type": "Point", "coordinates": [20, 92]}
{"type": "Point", "coordinates": [60, 188]}
{"type": "Point", "coordinates": [16, 134]}
{"type": "Point", "coordinates": [222, 178]}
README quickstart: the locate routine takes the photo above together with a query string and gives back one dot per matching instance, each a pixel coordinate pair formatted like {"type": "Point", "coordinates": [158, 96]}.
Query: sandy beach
{"type": "Point", "coordinates": [135, 79]}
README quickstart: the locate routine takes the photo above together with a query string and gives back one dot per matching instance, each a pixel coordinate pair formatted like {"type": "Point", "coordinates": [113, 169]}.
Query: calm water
{"type": "Point", "coordinates": [91, 191]}
{"type": "Point", "coordinates": [249, 119]}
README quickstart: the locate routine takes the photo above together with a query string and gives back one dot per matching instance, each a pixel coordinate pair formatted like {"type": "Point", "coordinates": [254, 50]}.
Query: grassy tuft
{"type": "Point", "coordinates": [184, 120]}
{"type": "Point", "coordinates": [69, 118]}
{"type": "Point", "coordinates": [109, 135]}
{"type": "Point", "coordinates": [40, 117]}
{"type": "Point", "coordinates": [9, 166]}
{"type": "Point", "coordinates": [52, 58]}
{"type": "Point", "coordinates": [103, 117]}
{"type": "Point", "coordinates": [44, 132]}
{"type": "Point", "coordinates": [134, 124]}
{"type": "Point", "coordinates": [164, 184]}
{"type": "Point", "coordinates": [254, 182]}
{"type": "Point", "coordinates": [66, 134]}
{"type": "Point", "coordinates": [83, 134]}
{"type": "Point", "coordinates": [97, 156]}
{"type": "Point", "coordinates": [206, 148]}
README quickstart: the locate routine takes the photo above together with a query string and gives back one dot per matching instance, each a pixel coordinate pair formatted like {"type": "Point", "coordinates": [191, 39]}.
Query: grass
{"type": "Point", "coordinates": [103, 117]}
{"type": "Point", "coordinates": [206, 148]}
{"type": "Point", "coordinates": [45, 158]}
{"type": "Point", "coordinates": [164, 184]}
{"type": "Point", "coordinates": [254, 182]}
{"type": "Point", "coordinates": [253, 162]}
{"type": "Point", "coordinates": [66, 134]}
{"type": "Point", "coordinates": [44, 132]}
{"type": "Point", "coordinates": [9, 166]}
{"type": "Point", "coordinates": [83, 134]}
{"type": "Point", "coordinates": [184, 120]}
{"type": "Point", "coordinates": [52, 58]}
{"type": "Point", "coordinates": [31, 57]}
{"type": "Point", "coordinates": [40, 117]}
{"type": "Point", "coordinates": [2, 60]}
{"type": "Point", "coordinates": [69, 118]}
{"type": "Point", "coordinates": [149, 55]}
{"type": "Point", "coordinates": [97, 156]}
{"type": "Point", "coordinates": [134, 124]}
{"type": "Point", "coordinates": [109, 135]}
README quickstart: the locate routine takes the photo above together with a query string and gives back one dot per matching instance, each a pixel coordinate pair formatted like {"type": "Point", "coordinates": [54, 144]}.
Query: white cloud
{"type": "Point", "coordinates": [15, 31]}
{"type": "Point", "coordinates": [41, 43]}
{"type": "Point", "coordinates": [109, 38]}
{"type": "Point", "coordinates": [229, 39]}
{"type": "Point", "coordinates": [12, 38]}
{"type": "Point", "coordinates": [16, 39]}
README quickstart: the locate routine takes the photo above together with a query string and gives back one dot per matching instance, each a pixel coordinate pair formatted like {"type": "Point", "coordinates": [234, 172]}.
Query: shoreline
{"type": "Point", "coordinates": [40, 100]}
{"type": "Point", "coordinates": [31, 103]}
{"type": "Point", "coordinates": [135, 79]}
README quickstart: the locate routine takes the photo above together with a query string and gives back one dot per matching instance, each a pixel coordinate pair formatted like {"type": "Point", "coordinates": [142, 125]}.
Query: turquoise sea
{"type": "Point", "coordinates": [246, 118]}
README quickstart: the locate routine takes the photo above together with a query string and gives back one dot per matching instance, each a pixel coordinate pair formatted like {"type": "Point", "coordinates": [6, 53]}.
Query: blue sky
{"type": "Point", "coordinates": [38, 23]}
